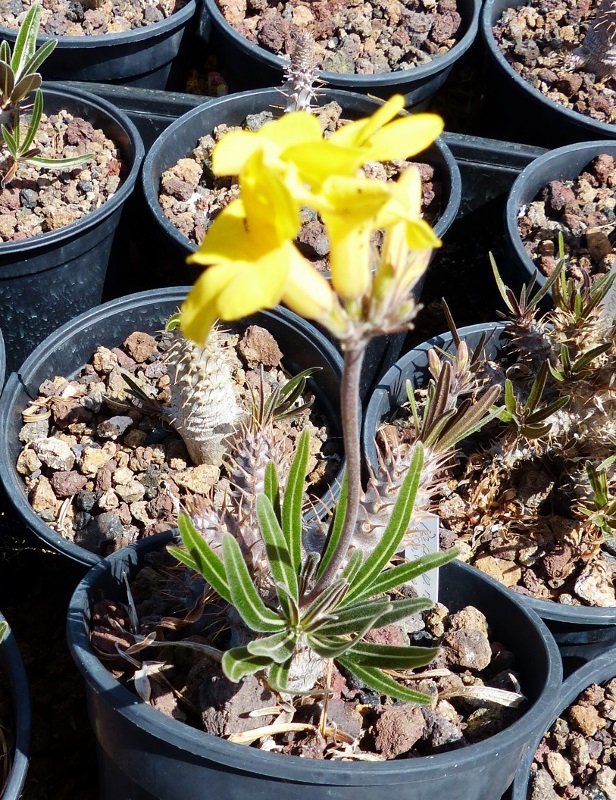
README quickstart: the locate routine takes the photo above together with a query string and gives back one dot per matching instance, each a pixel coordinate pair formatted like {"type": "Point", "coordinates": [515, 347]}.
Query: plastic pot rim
{"type": "Point", "coordinates": [105, 40]}
{"type": "Point", "coordinates": [295, 768]}
{"type": "Point", "coordinates": [21, 709]}
{"type": "Point", "coordinates": [557, 612]}
{"type": "Point", "coordinates": [514, 204]}
{"type": "Point", "coordinates": [92, 218]}
{"type": "Point", "coordinates": [485, 25]}
{"type": "Point", "coordinates": [598, 670]}
{"type": "Point", "coordinates": [380, 79]}
{"type": "Point", "coordinates": [151, 191]}
{"type": "Point", "coordinates": [8, 476]}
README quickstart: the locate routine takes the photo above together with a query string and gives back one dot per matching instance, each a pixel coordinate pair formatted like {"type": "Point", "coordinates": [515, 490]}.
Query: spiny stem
{"type": "Point", "coordinates": [349, 407]}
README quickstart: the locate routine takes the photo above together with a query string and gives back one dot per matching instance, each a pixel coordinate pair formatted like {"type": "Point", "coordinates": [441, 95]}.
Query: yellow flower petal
{"type": "Point", "coordinates": [234, 290]}
{"type": "Point", "coordinates": [272, 213]}
{"type": "Point", "coordinates": [200, 309]}
{"type": "Point", "coordinates": [356, 134]}
{"type": "Point", "coordinates": [306, 291]}
{"type": "Point", "coordinates": [349, 257]}
{"type": "Point", "coordinates": [405, 137]}
{"type": "Point", "coordinates": [227, 238]}
{"type": "Point", "coordinates": [419, 235]}
{"type": "Point", "coordinates": [235, 148]}
{"type": "Point", "coordinates": [291, 129]}
{"type": "Point", "coordinates": [317, 161]}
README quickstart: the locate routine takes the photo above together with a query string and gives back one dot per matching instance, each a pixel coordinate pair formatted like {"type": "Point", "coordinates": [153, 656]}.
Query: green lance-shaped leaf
{"type": "Point", "coordinates": [537, 388]}
{"type": "Point", "coordinates": [585, 359]}
{"type": "Point", "coordinates": [7, 79]}
{"type": "Point", "coordinates": [11, 142]}
{"type": "Point", "coordinates": [238, 662]}
{"type": "Point", "coordinates": [390, 657]}
{"type": "Point", "coordinates": [276, 546]}
{"type": "Point", "coordinates": [201, 558]}
{"type": "Point", "coordinates": [278, 647]}
{"type": "Point", "coordinates": [4, 630]}
{"type": "Point", "coordinates": [374, 678]}
{"type": "Point", "coordinates": [354, 617]}
{"type": "Point", "coordinates": [293, 500]}
{"type": "Point", "coordinates": [353, 566]}
{"type": "Point", "coordinates": [403, 573]}
{"type": "Point", "coordinates": [40, 55]}
{"type": "Point", "coordinates": [272, 487]}
{"type": "Point", "coordinates": [25, 42]}
{"type": "Point", "coordinates": [27, 84]}
{"type": "Point", "coordinates": [278, 676]}
{"type": "Point", "coordinates": [35, 120]}
{"type": "Point", "coordinates": [547, 411]}
{"type": "Point", "coordinates": [334, 646]}
{"type": "Point", "coordinates": [244, 596]}
{"type": "Point", "coordinates": [335, 531]}
{"type": "Point", "coordinates": [61, 163]}
{"type": "Point", "coordinates": [324, 604]}
{"type": "Point", "coordinates": [395, 530]}
{"type": "Point", "coordinates": [510, 401]}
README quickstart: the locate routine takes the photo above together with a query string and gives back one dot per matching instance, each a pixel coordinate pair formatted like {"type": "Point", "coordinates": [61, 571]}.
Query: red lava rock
{"type": "Point", "coordinates": [66, 484]}
{"type": "Point", "coordinates": [445, 27]}
{"type": "Point", "coordinates": [258, 346]}
{"type": "Point", "coordinates": [389, 635]}
{"type": "Point", "coordinates": [226, 706]}
{"type": "Point", "coordinates": [68, 412]}
{"type": "Point", "coordinates": [568, 83]}
{"type": "Point", "coordinates": [140, 346]}
{"type": "Point", "coordinates": [397, 729]}
{"type": "Point", "coordinates": [467, 648]}
{"type": "Point", "coordinates": [586, 719]}
{"type": "Point", "coordinates": [79, 131]}
{"type": "Point", "coordinates": [557, 195]}
{"type": "Point", "coordinates": [556, 562]}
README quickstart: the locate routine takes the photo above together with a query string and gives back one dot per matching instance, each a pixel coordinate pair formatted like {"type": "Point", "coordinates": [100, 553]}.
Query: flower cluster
{"type": "Point", "coordinates": [287, 165]}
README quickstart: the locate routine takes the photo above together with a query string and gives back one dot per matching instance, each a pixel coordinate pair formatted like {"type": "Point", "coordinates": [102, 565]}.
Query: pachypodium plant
{"type": "Point", "coordinates": [19, 79]}
{"type": "Point", "coordinates": [307, 599]}
{"type": "Point", "coordinates": [541, 485]}
{"type": "Point", "coordinates": [598, 50]}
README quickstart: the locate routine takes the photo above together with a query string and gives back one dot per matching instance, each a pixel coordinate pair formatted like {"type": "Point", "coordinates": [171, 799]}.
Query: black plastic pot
{"type": "Point", "coordinates": [67, 350]}
{"type": "Point", "coordinates": [2, 361]}
{"type": "Point", "coordinates": [47, 279]}
{"type": "Point", "coordinates": [141, 57]}
{"type": "Point", "coordinates": [13, 672]}
{"type": "Point", "coordinates": [144, 755]}
{"type": "Point", "coordinates": [517, 111]}
{"type": "Point", "coordinates": [580, 631]}
{"type": "Point", "coordinates": [249, 65]}
{"type": "Point", "coordinates": [181, 137]}
{"type": "Point", "coordinates": [565, 163]}
{"type": "Point", "coordinates": [598, 670]}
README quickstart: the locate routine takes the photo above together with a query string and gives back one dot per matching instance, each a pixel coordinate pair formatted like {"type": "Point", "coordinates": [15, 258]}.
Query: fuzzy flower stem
{"type": "Point", "coordinates": [349, 407]}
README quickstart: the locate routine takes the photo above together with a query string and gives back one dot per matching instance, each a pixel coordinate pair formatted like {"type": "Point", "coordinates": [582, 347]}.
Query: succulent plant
{"type": "Point", "coordinates": [557, 427]}
{"type": "Point", "coordinates": [598, 50]}
{"type": "Point", "coordinates": [300, 75]}
{"type": "Point", "coordinates": [19, 78]}
{"type": "Point", "coordinates": [203, 407]}
{"type": "Point", "coordinates": [302, 629]}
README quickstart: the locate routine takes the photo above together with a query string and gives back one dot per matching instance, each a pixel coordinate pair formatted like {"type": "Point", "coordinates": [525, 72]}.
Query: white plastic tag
{"type": "Point", "coordinates": [425, 533]}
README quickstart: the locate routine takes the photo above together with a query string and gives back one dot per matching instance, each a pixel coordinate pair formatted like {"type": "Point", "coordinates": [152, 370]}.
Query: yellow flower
{"type": "Point", "coordinates": [254, 264]}
{"type": "Point", "coordinates": [296, 138]}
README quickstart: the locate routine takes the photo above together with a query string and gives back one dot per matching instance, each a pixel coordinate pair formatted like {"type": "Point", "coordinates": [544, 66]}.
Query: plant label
{"type": "Point", "coordinates": [425, 534]}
